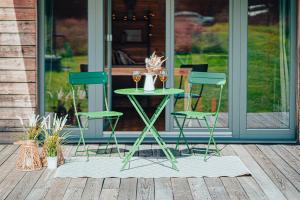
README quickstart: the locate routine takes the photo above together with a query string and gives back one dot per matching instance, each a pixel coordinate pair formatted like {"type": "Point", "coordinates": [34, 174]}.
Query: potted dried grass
{"type": "Point", "coordinates": [28, 157]}
{"type": "Point", "coordinates": [52, 155]}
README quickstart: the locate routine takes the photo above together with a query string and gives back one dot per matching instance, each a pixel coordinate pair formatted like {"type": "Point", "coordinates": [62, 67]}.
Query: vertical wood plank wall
{"type": "Point", "coordinates": [18, 74]}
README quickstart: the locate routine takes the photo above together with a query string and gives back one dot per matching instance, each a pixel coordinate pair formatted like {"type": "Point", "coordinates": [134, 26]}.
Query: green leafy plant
{"type": "Point", "coordinates": [33, 129]}
{"type": "Point", "coordinates": [53, 135]}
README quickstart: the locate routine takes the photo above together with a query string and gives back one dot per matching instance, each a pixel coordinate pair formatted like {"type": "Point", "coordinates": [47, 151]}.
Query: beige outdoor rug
{"type": "Point", "coordinates": [144, 167]}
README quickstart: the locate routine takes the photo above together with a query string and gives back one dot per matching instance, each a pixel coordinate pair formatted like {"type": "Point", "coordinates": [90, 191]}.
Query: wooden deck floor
{"type": "Point", "coordinates": [275, 170]}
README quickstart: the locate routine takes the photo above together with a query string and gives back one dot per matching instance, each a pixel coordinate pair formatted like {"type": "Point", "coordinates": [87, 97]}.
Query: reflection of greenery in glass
{"type": "Point", "coordinates": [211, 47]}
{"type": "Point", "coordinates": [58, 81]}
{"type": "Point", "coordinates": [264, 92]}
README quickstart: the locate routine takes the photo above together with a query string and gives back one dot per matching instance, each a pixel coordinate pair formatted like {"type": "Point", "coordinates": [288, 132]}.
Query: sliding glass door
{"type": "Point", "coordinates": [134, 30]}
{"type": "Point", "coordinates": [65, 50]}
{"type": "Point", "coordinates": [252, 42]}
{"type": "Point", "coordinates": [201, 43]}
{"type": "Point", "coordinates": [269, 100]}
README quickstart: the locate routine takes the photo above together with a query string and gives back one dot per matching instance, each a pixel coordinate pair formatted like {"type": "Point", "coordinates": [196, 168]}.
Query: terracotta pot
{"type": "Point", "coordinates": [28, 158]}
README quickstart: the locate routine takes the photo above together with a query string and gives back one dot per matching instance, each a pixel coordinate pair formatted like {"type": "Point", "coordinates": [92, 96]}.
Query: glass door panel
{"type": "Point", "coordinates": [201, 44]}
{"type": "Point", "coordinates": [134, 30]}
{"type": "Point", "coordinates": [268, 73]}
{"type": "Point", "coordinates": [66, 50]}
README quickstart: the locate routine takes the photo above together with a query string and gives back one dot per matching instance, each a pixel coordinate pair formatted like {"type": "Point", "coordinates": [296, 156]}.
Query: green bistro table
{"type": "Point", "coordinates": [167, 93]}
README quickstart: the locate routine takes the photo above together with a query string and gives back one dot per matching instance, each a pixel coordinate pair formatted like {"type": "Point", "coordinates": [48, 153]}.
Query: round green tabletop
{"type": "Point", "coordinates": [156, 92]}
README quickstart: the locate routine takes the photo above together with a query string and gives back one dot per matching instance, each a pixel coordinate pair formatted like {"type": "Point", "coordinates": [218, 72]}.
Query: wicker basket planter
{"type": "Point", "coordinates": [28, 158]}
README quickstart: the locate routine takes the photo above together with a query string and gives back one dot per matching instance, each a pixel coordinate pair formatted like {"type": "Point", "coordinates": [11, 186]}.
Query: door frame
{"type": "Point", "coordinates": [237, 21]}
{"type": "Point", "coordinates": [268, 134]}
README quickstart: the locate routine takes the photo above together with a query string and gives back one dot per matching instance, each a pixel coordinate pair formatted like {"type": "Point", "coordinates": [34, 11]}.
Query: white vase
{"type": "Point", "coordinates": [52, 162]}
{"type": "Point", "coordinates": [149, 82]}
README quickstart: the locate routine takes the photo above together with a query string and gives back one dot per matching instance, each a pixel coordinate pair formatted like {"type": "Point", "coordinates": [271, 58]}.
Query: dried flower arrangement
{"type": "Point", "coordinates": [154, 63]}
{"type": "Point", "coordinates": [33, 129]}
{"type": "Point", "coordinates": [53, 140]}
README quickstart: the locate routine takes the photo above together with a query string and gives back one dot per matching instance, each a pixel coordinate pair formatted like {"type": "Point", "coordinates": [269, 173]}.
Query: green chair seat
{"type": "Point", "coordinates": [101, 114]}
{"type": "Point", "coordinates": [193, 114]}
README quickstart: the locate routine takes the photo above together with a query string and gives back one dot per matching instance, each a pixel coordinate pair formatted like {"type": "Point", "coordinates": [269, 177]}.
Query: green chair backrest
{"type": "Point", "coordinates": [87, 78]}
{"type": "Point", "coordinates": [207, 78]}
{"type": "Point", "coordinates": [204, 78]}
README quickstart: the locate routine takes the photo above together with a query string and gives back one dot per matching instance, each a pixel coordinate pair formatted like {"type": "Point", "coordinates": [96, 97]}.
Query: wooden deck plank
{"type": "Point", "coordinates": [2, 147]}
{"type": "Point", "coordinates": [199, 189]}
{"type": "Point", "coordinates": [75, 189]}
{"type": "Point", "coordinates": [8, 166]}
{"type": "Point", "coordinates": [294, 150]}
{"type": "Point", "coordinates": [252, 188]}
{"type": "Point", "coordinates": [92, 189]}
{"type": "Point", "coordinates": [287, 156]}
{"type": "Point", "coordinates": [216, 188]}
{"type": "Point", "coordinates": [128, 188]}
{"type": "Point", "coordinates": [145, 188]}
{"type": "Point", "coordinates": [260, 186]}
{"type": "Point", "coordinates": [181, 189]}
{"type": "Point", "coordinates": [42, 186]}
{"type": "Point", "coordinates": [280, 164]}
{"type": "Point", "coordinates": [24, 187]}
{"type": "Point", "coordinates": [9, 183]}
{"type": "Point", "coordinates": [6, 152]}
{"type": "Point", "coordinates": [248, 183]}
{"type": "Point", "coordinates": [58, 189]}
{"type": "Point", "coordinates": [163, 189]}
{"type": "Point", "coordinates": [258, 173]}
{"type": "Point", "coordinates": [233, 188]}
{"type": "Point", "coordinates": [273, 172]}
{"type": "Point", "coordinates": [110, 189]}
{"type": "Point", "coordinates": [46, 180]}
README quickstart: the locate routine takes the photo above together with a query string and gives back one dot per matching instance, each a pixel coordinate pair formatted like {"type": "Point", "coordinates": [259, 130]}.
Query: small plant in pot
{"type": "Point", "coordinates": [28, 158]}
{"type": "Point", "coordinates": [53, 140]}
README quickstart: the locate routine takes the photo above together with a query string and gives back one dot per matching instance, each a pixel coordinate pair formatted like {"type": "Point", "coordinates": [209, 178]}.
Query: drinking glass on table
{"type": "Point", "coordinates": [163, 76]}
{"type": "Point", "coordinates": [136, 76]}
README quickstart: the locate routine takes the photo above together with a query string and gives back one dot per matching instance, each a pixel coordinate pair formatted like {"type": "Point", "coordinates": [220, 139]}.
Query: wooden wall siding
{"type": "Point", "coordinates": [18, 3]}
{"type": "Point", "coordinates": [17, 39]}
{"type": "Point", "coordinates": [17, 14]}
{"type": "Point", "coordinates": [18, 75]}
{"type": "Point", "coordinates": [17, 64]}
{"type": "Point", "coordinates": [18, 26]}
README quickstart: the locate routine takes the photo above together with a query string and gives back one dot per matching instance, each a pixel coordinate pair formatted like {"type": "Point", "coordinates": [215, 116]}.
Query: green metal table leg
{"type": "Point", "coordinates": [149, 128]}
{"type": "Point", "coordinates": [150, 120]}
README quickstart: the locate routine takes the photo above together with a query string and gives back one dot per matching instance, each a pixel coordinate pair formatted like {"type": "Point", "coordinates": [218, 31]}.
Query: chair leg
{"type": "Point", "coordinates": [112, 135]}
{"type": "Point", "coordinates": [181, 134]}
{"type": "Point", "coordinates": [81, 139]}
{"type": "Point", "coordinates": [211, 139]}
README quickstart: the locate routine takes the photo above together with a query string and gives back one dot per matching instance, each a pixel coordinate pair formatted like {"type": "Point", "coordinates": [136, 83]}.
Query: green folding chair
{"type": "Point", "coordinates": [93, 78]}
{"type": "Point", "coordinates": [201, 78]}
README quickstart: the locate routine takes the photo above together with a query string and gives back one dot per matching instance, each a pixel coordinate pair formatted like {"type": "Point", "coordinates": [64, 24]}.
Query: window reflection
{"type": "Point", "coordinates": [201, 44]}
{"type": "Point", "coordinates": [66, 50]}
{"type": "Point", "coordinates": [268, 64]}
